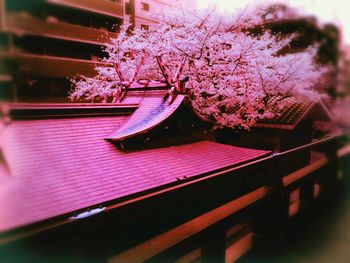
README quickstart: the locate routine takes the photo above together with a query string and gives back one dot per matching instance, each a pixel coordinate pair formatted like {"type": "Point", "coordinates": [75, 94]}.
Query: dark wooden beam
{"type": "Point", "coordinates": [174, 236]}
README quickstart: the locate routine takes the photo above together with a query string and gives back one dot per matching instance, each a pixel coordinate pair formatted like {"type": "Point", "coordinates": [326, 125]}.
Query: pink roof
{"type": "Point", "coordinates": [59, 166]}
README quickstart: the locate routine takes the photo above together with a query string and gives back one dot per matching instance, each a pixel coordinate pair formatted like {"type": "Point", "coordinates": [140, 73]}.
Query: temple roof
{"type": "Point", "coordinates": [61, 165]}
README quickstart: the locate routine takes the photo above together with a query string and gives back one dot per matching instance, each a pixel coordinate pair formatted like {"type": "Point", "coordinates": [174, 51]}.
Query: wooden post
{"type": "Point", "coordinates": [332, 169]}
{"type": "Point", "coordinates": [271, 215]}
{"type": "Point", "coordinates": [213, 249]}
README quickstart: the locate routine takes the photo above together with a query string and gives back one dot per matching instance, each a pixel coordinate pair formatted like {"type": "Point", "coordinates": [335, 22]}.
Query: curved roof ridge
{"type": "Point", "coordinates": [151, 113]}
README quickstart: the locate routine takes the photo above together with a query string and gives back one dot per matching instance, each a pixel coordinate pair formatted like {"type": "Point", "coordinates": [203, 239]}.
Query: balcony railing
{"type": "Point", "coordinates": [33, 65]}
{"type": "Point", "coordinates": [26, 24]}
{"type": "Point", "coordinates": [105, 7]}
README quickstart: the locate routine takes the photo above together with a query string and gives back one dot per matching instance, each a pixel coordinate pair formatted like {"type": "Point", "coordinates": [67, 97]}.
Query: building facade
{"type": "Point", "coordinates": [44, 43]}
{"type": "Point", "coordinates": [147, 11]}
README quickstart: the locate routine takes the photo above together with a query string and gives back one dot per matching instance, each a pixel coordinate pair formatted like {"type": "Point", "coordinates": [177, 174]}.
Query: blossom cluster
{"type": "Point", "coordinates": [236, 77]}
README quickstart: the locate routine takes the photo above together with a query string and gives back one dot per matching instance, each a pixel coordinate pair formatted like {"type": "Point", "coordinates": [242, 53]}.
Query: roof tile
{"type": "Point", "coordinates": [59, 166]}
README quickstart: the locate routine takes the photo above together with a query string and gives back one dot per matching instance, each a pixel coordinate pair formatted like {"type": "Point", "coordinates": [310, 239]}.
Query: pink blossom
{"type": "Point", "coordinates": [235, 78]}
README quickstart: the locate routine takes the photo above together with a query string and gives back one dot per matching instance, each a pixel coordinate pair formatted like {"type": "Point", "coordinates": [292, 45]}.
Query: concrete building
{"type": "Point", "coordinates": [45, 42]}
{"type": "Point", "coordinates": [147, 11]}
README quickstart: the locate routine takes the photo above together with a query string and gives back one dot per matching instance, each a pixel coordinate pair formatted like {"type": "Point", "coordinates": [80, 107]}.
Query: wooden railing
{"type": "Point", "coordinates": [106, 7]}
{"type": "Point", "coordinates": [305, 171]}
{"type": "Point", "coordinates": [174, 236]}
{"type": "Point", "coordinates": [26, 24]}
{"type": "Point", "coordinates": [288, 194]}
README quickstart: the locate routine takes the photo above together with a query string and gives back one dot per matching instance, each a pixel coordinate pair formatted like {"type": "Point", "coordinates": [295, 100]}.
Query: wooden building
{"type": "Point", "coordinates": [64, 170]}
{"type": "Point", "coordinates": [132, 181]}
{"type": "Point", "coordinates": [291, 127]}
{"type": "Point", "coordinates": [126, 183]}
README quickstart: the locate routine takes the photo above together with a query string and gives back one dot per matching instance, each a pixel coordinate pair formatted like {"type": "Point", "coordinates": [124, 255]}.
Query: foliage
{"type": "Point", "coordinates": [235, 78]}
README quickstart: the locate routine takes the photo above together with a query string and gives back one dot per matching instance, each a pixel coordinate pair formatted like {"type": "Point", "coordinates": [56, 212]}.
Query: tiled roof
{"type": "Point", "coordinates": [291, 114]}
{"type": "Point", "coordinates": [294, 111]}
{"type": "Point", "coordinates": [288, 117]}
{"type": "Point", "coordinates": [59, 166]}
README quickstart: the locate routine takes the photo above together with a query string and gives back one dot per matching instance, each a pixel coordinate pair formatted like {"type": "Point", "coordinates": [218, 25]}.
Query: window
{"type": "Point", "coordinates": [144, 6]}
{"type": "Point", "coordinates": [144, 27]}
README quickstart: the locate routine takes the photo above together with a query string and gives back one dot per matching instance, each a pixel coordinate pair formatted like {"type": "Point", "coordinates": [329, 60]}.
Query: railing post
{"type": "Point", "coordinates": [213, 249]}
{"type": "Point", "coordinates": [269, 216]}
{"type": "Point", "coordinates": [333, 167]}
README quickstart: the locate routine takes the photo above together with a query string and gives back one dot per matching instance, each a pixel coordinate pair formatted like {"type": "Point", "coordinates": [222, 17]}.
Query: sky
{"type": "Point", "coordinates": [336, 11]}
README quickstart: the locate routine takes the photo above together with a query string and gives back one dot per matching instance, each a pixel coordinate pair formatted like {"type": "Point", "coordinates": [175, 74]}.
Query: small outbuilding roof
{"type": "Point", "coordinates": [294, 112]}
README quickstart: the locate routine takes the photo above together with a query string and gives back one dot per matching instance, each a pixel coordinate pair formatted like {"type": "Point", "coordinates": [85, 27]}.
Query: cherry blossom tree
{"type": "Point", "coordinates": [235, 77]}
